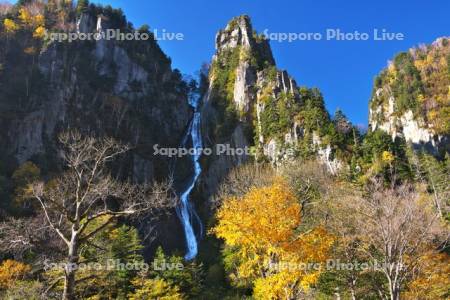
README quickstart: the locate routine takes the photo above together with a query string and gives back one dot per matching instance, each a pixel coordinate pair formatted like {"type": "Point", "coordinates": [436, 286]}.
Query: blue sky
{"type": "Point", "coordinates": [342, 70]}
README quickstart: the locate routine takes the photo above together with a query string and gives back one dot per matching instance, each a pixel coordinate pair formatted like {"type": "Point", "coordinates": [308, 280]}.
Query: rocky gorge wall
{"type": "Point", "coordinates": [412, 95]}
{"type": "Point", "coordinates": [244, 87]}
{"type": "Point", "coordinates": [100, 87]}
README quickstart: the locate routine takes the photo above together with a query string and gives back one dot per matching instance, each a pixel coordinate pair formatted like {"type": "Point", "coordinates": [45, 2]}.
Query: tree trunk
{"type": "Point", "coordinates": [69, 285]}
{"type": "Point", "coordinates": [352, 288]}
{"type": "Point", "coordinates": [70, 268]}
{"type": "Point", "coordinates": [352, 292]}
{"type": "Point", "coordinates": [394, 292]}
{"type": "Point", "coordinates": [337, 294]}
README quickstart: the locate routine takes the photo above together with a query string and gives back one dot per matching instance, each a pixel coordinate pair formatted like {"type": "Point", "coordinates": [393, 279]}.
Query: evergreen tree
{"type": "Point", "coordinates": [186, 275]}
{"type": "Point", "coordinates": [82, 6]}
{"type": "Point", "coordinates": [341, 122]}
{"type": "Point", "coordinates": [437, 176]}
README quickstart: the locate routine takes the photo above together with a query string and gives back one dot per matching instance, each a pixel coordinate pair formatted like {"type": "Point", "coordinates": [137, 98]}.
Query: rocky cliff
{"type": "Point", "coordinates": [251, 103]}
{"type": "Point", "coordinates": [124, 89]}
{"type": "Point", "coordinates": [411, 97]}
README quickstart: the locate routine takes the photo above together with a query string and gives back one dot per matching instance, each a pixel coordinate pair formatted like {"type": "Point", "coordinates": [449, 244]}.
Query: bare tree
{"type": "Point", "coordinates": [313, 185]}
{"type": "Point", "coordinates": [86, 195]}
{"type": "Point", "coordinates": [5, 7]}
{"type": "Point", "coordinates": [343, 220]}
{"type": "Point", "coordinates": [35, 8]}
{"type": "Point", "coordinates": [243, 178]}
{"type": "Point", "coordinates": [397, 227]}
{"type": "Point", "coordinates": [19, 236]}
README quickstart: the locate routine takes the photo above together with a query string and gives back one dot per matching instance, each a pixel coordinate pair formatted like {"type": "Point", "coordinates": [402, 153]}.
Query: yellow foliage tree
{"type": "Point", "coordinates": [10, 26]}
{"type": "Point", "coordinates": [39, 32]}
{"type": "Point", "coordinates": [387, 157]}
{"type": "Point", "coordinates": [25, 17]}
{"type": "Point", "coordinates": [433, 281]}
{"type": "Point", "coordinates": [154, 289]}
{"type": "Point", "coordinates": [34, 21]}
{"type": "Point", "coordinates": [271, 252]}
{"type": "Point", "coordinates": [12, 271]}
{"type": "Point", "coordinates": [39, 20]}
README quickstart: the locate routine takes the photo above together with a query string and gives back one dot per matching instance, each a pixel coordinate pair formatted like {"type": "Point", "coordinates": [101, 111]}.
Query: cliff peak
{"type": "Point", "coordinates": [239, 32]}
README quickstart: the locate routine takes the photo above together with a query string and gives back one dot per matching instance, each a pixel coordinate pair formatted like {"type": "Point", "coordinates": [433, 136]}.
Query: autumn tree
{"type": "Point", "coordinates": [85, 194]}
{"type": "Point", "coordinates": [5, 7]}
{"type": "Point", "coordinates": [12, 271]}
{"type": "Point", "coordinates": [431, 280]}
{"type": "Point", "coordinates": [396, 226]}
{"type": "Point", "coordinates": [10, 26]}
{"type": "Point", "coordinates": [147, 289]}
{"type": "Point", "coordinates": [324, 200]}
{"type": "Point", "coordinates": [27, 289]}
{"type": "Point", "coordinates": [27, 173]}
{"type": "Point", "coordinates": [265, 248]}
{"type": "Point", "coordinates": [242, 179]}
{"type": "Point", "coordinates": [32, 18]}
{"type": "Point", "coordinates": [349, 248]}
{"type": "Point", "coordinates": [15, 281]}
{"type": "Point", "coordinates": [312, 184]}
{"type": "Point", "coordinates": [32, 15]}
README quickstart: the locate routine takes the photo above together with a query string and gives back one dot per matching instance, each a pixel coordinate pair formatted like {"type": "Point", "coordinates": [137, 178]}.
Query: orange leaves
{"type": "Point", "coordinates": [433, 281]}
{"type": "Point", "coordinates": [312, 246]}
{"type": "Point", "coordinates": [11, 271]}
{"type": "Point", "coordinates": [264, 217]}
{"type": "Point", "coordinates": [263, 226]}
{"type": "Point", "coordinates": [39, 20]}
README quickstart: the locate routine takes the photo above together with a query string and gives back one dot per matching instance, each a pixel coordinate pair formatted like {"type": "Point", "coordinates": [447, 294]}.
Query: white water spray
{"type": "Point", "coordinates": [185, 210]}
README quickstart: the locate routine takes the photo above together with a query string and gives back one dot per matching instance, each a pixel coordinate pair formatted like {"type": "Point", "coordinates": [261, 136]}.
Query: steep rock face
{"type": "Point", "coordinates": [220, 165]}
{"type": "Point", "coordinates": [275, 85]}
{"type": "Point", "coordinates": [411, 97]}
{"type": "Point", "coordinates": [241, 52]}
{"type": "Point", "coordinates": [228, 103]}
{"type": "Point", "coordinates": [243, 94]}
{"type": "Point", "coordinates": [239, 32]}
{"type": "Point", "coordinates": [103, 88]}
{"type": "Point", "coordinates": [413, 129]}
{"type": "Point", "coordinates": [325, 155]}
{"type": "Point", "coordinates": [124, 89]}
{"type": "Point", "coordinates": [247, 94]}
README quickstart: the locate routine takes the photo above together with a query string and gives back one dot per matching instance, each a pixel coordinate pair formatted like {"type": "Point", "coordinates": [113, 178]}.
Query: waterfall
{"type": "Point", "coordinates": [185, 210]}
